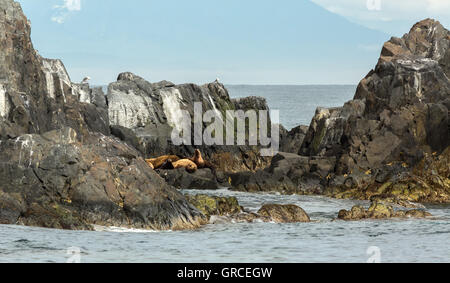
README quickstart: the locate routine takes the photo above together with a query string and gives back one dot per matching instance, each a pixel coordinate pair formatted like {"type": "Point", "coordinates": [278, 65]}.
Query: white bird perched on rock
{"type": "Point", "coordinates": [85, 80]}
{"type": "Point", "coordinates": [217, 80]}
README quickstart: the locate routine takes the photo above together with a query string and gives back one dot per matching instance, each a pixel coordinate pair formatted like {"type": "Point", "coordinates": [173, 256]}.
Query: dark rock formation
{"type": "Point", "coordinates": [400, 109]}
{"type": "Point", "coordinates": [288, 173]}
{"type": "Point", "coordinates": [380, 210]}
{"type": "Point", "coordinates": [144, 114]}
{"type": "Point", "coordinates": [202, 179]}
{"type": "Point", "coordinates": [399, 116]}
{"type": "Point", "coordinates": [427, 182]}
{"type": "Point", "coordinates": [52, 180]}
{"type": "Point", "coordinates": [291, 141]}
{"type": "Point", "coordinates": [59, 167]}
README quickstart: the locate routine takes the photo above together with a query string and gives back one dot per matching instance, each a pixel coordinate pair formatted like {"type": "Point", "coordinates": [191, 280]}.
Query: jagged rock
{"type": "Point", "coordinates": [399, 112]}
{"type": "Point", "coordinates": [152, 111]}
{"type": "Point", "coordinates": [36, 94]}
{"type": "Point", "coordinates": [58, 166]}
{"type": "Point", "coordinates": [55, 181]}
{"type": "Point", "coordinates": [284, 213]}
{"type": "Point", "coordinates": [291, 141]}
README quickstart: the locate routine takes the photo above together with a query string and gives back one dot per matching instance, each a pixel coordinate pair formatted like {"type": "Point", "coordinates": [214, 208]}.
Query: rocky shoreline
{"type": "Point", "coordinates": [72, 156]}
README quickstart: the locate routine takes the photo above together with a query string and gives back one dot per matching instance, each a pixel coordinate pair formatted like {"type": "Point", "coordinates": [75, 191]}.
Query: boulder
{"type": "Point", "coordinates": [284, 213]}
{"type": "Point", "coordinates": [215, 206]}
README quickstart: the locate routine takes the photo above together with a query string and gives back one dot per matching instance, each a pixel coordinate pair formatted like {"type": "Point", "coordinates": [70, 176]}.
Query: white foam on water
{"type": "Point", "coordinates": [114, 229]}
{"type": "Point", "coordinates": [172, 107]}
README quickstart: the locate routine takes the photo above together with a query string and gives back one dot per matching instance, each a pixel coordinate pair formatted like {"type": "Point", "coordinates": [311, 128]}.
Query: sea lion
{"type": "Point", "coordinates": [150, 164]}
{"type": "Point", "coordinates": [158, 162]}
{"type": "Point", "coordinates": [200, 162]}
{"type": "Point", "coordinates": [190, 166]}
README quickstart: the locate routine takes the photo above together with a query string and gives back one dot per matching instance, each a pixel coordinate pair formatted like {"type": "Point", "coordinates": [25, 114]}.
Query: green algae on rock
{"type": "Point", "coordinates": [380, 210]}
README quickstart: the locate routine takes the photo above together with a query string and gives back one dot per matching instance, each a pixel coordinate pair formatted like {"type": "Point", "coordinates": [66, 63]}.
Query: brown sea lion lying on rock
{"type": "Point", "coordinates": [170, 162]}
{"type": "Point", "coordinates": [200, 162]}
{"type": "Point", "coordinates": [157, 163]}
{"type": "Point", "coordinates": [190, 166]}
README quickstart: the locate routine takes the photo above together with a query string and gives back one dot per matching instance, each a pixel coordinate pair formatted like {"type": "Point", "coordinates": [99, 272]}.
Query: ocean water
{"type": "Point", "coordinates": [323, 240]}
{"type": "Point", "coordinates": [296, 103]}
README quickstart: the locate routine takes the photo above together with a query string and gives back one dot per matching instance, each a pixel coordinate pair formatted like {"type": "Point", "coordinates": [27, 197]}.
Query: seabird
{"type": "Point", "coordinates": [85, 80]}
{"type": "Point", "coordinates": [217, 80]}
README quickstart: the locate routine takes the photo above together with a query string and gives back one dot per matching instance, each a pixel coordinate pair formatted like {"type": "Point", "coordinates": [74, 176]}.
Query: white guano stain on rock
{"type": "Point", "coordinates": [50, 68]}
{"type": "Point", "coordinates": [4, 105]}
{"type": "Point", "coordinates": [172, 107]}
{"type": "Point", "coordinates": [129, 110]}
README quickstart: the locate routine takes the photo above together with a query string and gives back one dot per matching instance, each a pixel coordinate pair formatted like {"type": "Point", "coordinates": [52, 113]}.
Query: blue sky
{"type": "Point", "coordinates": [239, 41]}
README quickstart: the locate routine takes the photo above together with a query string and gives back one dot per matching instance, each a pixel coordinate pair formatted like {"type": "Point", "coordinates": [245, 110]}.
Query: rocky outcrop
{"type": "Point", "coordinates": [291, 141]}
{"type": "Point", "coordinates": [369, 147]}
{"type": "Point", "coordinates": [202, 179]}
{"type": "Point", "coordinates": [36, 95]}
{"type": "Point", "coordinates": [288, 173]}
{"type": "Point", "coordinates": [427, 182]}
{"type": "Point", "coordinates": [59, 167]}
{"type": "Point", "coordinates": [400, 110]}
{"type": "Point", "coordinates": [144, 114]}
{"type": "Point", "coordinates": [53, 180]}
{"type": "Point", "coordinates": [380, 210]}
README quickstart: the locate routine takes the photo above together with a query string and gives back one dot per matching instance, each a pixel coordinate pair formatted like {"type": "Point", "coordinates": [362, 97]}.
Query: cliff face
{"type": "Point", "coordinates": [59, 167]}
{"type": "Point", "coordinates": [144, 114]}
{"type": "Point", "coordinates": [400, 110]}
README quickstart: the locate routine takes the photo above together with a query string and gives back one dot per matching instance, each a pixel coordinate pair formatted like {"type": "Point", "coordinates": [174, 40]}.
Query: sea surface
{"type": "Point", "coordinates": [323, 240]}
{"type": "Point", "coordinates": [296, 103]}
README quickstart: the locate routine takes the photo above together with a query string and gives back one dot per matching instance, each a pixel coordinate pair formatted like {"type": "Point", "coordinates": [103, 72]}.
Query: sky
{"type": "Point", "coordinates": [240, 42]}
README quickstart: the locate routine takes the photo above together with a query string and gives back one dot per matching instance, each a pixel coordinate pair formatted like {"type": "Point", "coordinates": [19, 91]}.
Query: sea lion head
{"type": "Point", "coordinates": [191, 168]}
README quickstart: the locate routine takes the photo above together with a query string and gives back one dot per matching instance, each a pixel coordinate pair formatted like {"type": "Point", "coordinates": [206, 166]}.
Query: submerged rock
{"type": "Point", "coordinates": [284, 213]}
{"type": "Point", "coordinates": [380, 210]}
{"type": "Point", "coordinates": [215, 206]}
